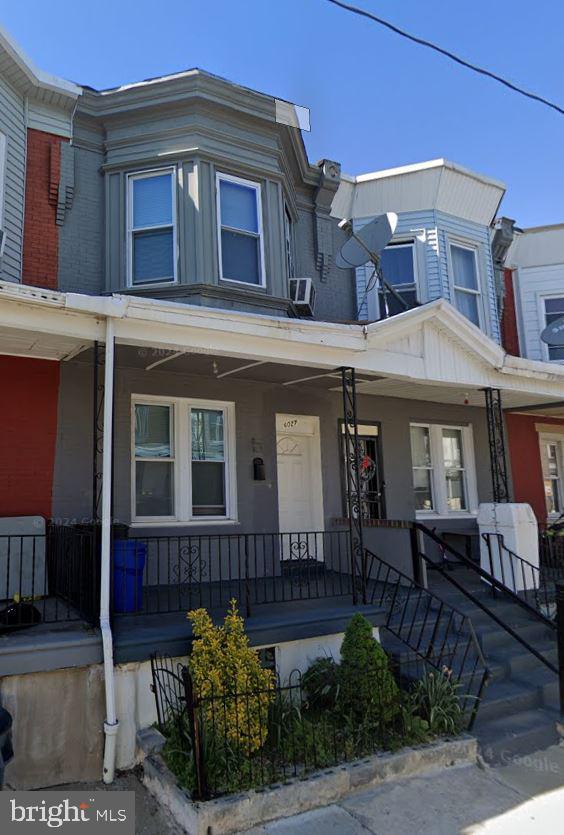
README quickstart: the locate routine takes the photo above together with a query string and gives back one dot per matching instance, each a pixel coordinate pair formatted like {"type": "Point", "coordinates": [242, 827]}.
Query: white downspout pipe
{"type": "Point", "coordinates": [111, 723]}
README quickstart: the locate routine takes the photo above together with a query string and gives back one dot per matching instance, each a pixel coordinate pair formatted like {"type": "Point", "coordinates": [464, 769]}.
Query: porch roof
{"type": "Point", "coordinates": [428, 353]}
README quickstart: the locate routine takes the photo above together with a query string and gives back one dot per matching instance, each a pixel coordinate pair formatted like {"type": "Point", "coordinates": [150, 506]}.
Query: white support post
{"type": "Point", "coordinates": [111, 723]}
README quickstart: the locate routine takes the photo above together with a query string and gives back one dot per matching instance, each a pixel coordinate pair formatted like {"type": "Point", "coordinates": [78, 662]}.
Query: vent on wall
{"type": "Point", "coordinates": [302, 294]}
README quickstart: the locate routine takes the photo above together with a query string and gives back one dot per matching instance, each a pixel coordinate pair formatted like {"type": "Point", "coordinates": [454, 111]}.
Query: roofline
{"type": "Point", "coordinates": [37, 77]}
{"type": "Point", "coordinates": [549, 227]}
{"type": "Point", "coordinates": [417, 167]}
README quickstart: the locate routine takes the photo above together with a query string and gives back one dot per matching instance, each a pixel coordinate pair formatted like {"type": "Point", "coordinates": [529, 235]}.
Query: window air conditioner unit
{"type": "Point", "coordinates": [302, 293]}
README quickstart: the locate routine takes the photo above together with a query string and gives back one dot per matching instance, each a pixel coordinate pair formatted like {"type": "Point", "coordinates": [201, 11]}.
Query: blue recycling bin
{"type": "Point", "coordinates": [129, 564]}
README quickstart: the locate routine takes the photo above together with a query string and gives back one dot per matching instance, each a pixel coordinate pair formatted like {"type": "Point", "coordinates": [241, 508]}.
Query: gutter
{"type": "Point", "coordinates": [111, 724]}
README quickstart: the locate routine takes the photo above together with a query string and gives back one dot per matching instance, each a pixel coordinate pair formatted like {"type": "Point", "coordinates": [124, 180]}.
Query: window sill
{"type": "Point", "coordinates": [191, 523]}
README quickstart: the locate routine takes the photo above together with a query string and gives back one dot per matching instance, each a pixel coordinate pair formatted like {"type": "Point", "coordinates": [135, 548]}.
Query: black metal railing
{"type": "Point", "coordinates": [160, 574]}
{"type": "Point", "coordinates": [48, 578]}
{"type": "Point", "coordinates": [495, 584]}
{"type": "Point", "coordinates": [229, 738]}
{"type": "Point", "coordinates": [534, 584]}
{"type": "Point", "coordinates": [439, 635]}
{"type": "Point", "coordinates": [551, 552]}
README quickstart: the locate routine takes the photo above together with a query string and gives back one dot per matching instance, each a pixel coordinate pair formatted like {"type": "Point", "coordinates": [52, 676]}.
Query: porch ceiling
{"type": "Point", "coordinates": [35, 345]}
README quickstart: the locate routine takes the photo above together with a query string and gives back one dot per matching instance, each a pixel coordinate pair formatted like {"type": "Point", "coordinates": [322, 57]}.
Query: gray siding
{"type": "Point", "coordinates": [12, 124]}
{"type": "Point", "coordinates": [256, 406]}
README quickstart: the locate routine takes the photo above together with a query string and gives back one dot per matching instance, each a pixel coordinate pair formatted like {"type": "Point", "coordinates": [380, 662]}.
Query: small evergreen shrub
{"type": "Point", "coordinates": [368, 689]}
{"type": "Point", "coordinates": [320, 684]}
{"type": "Point", "coordinates": [235, 691]}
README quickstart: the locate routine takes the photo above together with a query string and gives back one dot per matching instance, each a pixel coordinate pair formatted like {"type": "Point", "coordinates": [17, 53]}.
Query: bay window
{"type": "Point", "coordinates": [151, 222]}
{"type": "Point", "coordinates": [466, 282]}
{"type": "Point", "coordinates": [444, 479]}
{"type": "Point", "coordinates": [240, 236]}
{"type": "Point", "coordinates": [183, 460]}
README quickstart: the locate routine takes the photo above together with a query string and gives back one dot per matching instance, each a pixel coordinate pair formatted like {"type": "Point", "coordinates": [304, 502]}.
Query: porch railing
{"type": "Point", "coordinates": [176, 573]}
{"type": "Point", "coordinates": [48, 578]}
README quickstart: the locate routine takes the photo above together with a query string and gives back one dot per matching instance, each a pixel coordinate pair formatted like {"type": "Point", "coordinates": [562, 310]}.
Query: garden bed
{"type": "Point", "coordinates": [235, 812]}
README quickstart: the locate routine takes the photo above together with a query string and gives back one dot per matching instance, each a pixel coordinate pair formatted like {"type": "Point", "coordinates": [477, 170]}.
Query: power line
{"type": "Point", "coordinates": [447, 54]}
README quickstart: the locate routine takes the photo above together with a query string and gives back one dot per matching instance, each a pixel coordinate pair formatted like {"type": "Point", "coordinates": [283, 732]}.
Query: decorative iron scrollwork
{"type": "Point", "coordinates": [496, 437]}
{"type": "Point", "coordinates": [353, 472]}
{"type": "Point", "coordinates": [190, 566]}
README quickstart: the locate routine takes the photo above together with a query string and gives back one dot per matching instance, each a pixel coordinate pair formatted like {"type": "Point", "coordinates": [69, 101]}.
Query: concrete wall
{"type": "Point", "coordinates": [58, 726]}
{"type": "Point", "coordinates": [256, 405]}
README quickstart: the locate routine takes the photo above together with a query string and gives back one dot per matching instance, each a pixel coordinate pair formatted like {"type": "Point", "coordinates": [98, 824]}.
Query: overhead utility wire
{"type": "Point", "coordinates": [451, 55]}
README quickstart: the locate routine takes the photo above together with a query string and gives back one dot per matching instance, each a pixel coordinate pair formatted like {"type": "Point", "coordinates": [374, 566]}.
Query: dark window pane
{"type": "Point", "coordinates": [152, 200]}
{"type": "Point", "coordinates": [394, 306]}
{"type": "Point", "coordinates": [208, 488]}
{"type": "Point", "coordinates": [238, 206]}
{"type": "Point", "coordinates": [240, 257]}
{"type": "Point", "coordinates": [397, 265]}
{"type": "Point", "coordinates": [152, 431]}
{"type": "Point", "coordinates": [554, 306]}
{"type": "Point", "coordinates": [154, 488]}
{"type": "Point", "coordinates": [153, 256]}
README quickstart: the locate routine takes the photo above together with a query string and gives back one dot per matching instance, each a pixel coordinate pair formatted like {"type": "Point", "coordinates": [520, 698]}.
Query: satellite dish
{"type": "Point", "coordinates": [553, 334]}
{"type": "Point", "coordinates": [370, 240]}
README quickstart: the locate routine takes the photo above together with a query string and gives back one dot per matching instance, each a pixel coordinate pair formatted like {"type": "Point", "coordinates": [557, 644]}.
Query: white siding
{"type": "Point", "coordinates": [12, 124]}
{"type": "Point", "coordinates": [533, 283]}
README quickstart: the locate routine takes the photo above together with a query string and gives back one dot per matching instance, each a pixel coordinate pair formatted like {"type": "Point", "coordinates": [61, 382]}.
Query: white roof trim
{"type": "Point", "coordinates": [424, 166]}
{"type": "Point", "coordinates": [35, 76]}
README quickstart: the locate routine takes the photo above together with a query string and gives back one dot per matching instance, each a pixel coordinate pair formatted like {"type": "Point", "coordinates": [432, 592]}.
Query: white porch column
{"type": "Point", "coordinates": [111, 723]}
{"type": "Point", "coordinates": [514, 526]}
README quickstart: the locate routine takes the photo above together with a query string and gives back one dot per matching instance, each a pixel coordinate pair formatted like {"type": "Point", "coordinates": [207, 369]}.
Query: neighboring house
{"type": "Point", "coordinates": [534, 283]}
{"type": "Point", "coordinates": [209, 414]}
{"type": "Point", "coordinates": [442, 244]}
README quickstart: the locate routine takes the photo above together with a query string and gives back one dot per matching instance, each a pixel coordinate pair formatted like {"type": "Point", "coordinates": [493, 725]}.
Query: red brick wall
{"type": "Point", "coordinates": [524, 452]}
{"type": "Point", "coordinates": [27, 438]}
{"type": "Point", "coordinates": [509, 332]}
{"type": "Point", "coordinates": [41, 234]}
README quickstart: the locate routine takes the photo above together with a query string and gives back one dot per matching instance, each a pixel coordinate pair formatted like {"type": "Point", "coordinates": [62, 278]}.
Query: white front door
{"type": "Point", "coordinates": [300, 500]}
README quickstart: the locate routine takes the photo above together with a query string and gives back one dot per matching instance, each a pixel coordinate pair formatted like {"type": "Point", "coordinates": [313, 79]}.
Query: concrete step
{"type": "Point", "coordinates": [514, 735]}
{"type": "Point", "coordinates": [505, 698]}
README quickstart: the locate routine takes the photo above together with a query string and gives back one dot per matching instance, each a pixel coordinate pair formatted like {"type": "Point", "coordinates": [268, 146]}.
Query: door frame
{"type": "Point", "coordinates": [304, 426]}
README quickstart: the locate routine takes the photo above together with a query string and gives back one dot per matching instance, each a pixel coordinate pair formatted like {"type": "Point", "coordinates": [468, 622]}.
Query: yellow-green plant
{"type": "Point", "coordinates": [235, 692]}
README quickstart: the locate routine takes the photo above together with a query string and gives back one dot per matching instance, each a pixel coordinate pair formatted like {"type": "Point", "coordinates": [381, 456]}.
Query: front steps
{"type": "Point", "coordinates": [519, 710]}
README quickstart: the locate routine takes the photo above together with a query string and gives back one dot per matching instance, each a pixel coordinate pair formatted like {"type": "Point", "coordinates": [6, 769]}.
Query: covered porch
{"type": "Point", "coordinates": [245, 456]}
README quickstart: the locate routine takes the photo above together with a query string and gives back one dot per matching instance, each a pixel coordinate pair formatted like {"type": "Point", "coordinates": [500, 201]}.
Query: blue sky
{"type": "Point", "coordinates": [376, 100]}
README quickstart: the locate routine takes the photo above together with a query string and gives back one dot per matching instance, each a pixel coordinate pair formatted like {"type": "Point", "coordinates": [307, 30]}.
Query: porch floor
{"type": "Point", "coordinates": [137, 636]}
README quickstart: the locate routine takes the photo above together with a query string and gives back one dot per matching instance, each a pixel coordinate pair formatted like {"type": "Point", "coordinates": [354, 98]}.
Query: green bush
{"type": "Point", "coordinates": [435, 699]}
{"type": "Point", "coordinates": [320, 684]}
{"type": "Point", "coordinates": [368, 689]}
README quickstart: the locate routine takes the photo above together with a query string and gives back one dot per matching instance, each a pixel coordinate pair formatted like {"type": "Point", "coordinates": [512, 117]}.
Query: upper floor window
{"type": "Point", "coordinates": [466, 281]}
{"type": "Point", "coordinates": [151, 219]}
{"type": "Point", "coordinates": [398, 266]}
{"type": "Point", "coordinates": [443, 474]}
{"type": "Point", "coordinates": [553, 310]}
{"type": "Point", "coordinates": [240, 236]}
{"type": "Point", "coordinates": [288, 241]}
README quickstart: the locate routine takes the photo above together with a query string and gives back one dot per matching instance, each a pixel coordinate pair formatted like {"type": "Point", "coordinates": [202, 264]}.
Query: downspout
{"type": "Point", "coordinates": [111, 723]}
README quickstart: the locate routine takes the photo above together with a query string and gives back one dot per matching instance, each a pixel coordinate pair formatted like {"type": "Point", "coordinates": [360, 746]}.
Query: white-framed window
{"type": "Point", "coordinates": [151, 227]}
{"type": "Point", "coordinates": [444, 478]}
{"type": "Point", "coordinates": [289, 243]}
{"type": "Point", "coordinates": [398, 266]}
{"type": "Point", "coordinates": [239, 231]}
{"type": "Point", "coordinates": [553, 309]}
{"type": "Point", "coordinates": [466, 281]}
{"type": "Point", "coordinates": [183, 460]}
{"type": "Point", "coordinates": [551, 452]}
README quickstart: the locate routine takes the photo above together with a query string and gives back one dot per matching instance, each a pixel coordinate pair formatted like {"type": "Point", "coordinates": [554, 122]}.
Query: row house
{"type": "Point", "coordinates": [201, 406]}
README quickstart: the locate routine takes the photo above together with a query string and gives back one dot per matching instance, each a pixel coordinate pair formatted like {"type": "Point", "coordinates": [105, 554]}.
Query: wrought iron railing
{"type": "Point", "coordinates": [175, 573]}
{"type": "Point", "coordinates": [48, 578]}
{"type": "Point", "coordinates": [495, 584]}
{"type": "Point", "coordinates": [534, 584]}
{"type": "Point", "coordinates": [439, 635]}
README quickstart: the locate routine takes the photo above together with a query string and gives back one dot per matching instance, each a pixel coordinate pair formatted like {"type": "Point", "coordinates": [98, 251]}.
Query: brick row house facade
{"type": "Point", "coordinates": [187, 369]}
